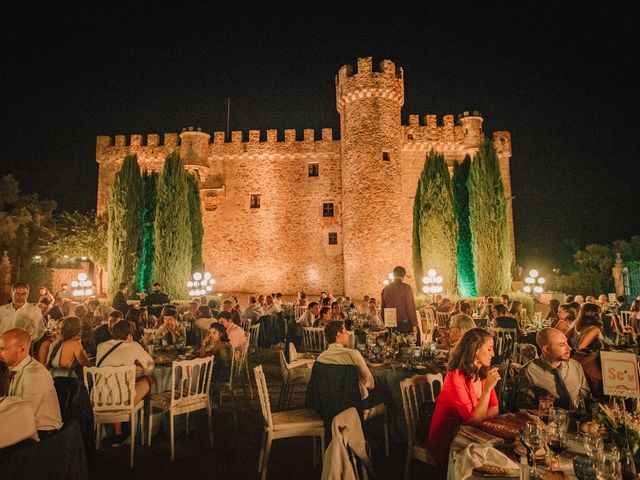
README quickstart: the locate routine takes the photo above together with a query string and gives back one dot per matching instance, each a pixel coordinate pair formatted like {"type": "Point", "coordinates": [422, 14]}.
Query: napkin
{"type": "Point", "coordinates": [480, 436]}
{"type": "Point", "coordinates": [476, 455]}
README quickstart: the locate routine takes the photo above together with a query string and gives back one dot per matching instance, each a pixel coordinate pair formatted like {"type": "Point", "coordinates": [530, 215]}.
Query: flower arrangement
{"type": "Point", "coordinates": [623, 427]}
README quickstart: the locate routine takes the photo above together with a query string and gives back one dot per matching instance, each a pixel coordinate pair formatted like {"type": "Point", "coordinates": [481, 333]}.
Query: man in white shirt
{"type": "Point", "coordinates": [21, 314]}
{"type": "Point", "coordinates": [235, 333]}
{"type": "Point", "coordinates": [31, 381]}
{"type": "Point", "coordinates": [308, 317]}
{"type": "Point", "coordinates": [271, 308]}
{"type": "Point", "coordinates": [254, 311]}
{"type": "Point", "coordinates": [120, 351]}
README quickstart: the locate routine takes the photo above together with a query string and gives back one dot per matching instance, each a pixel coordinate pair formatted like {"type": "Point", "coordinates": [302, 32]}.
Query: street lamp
{"type": "Point", "coordinates": [389, 278]}
{"type": "Point", "coordinates": [82, 286]}
{"type": "Point", "coordinates": [432, 283]}
{"type": "Point", "coordinates": [201, 284]}
{"type": "Point", "coordinates": [534, 283]}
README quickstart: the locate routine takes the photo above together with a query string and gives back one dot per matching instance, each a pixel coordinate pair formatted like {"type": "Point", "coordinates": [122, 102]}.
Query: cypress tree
{"type": "Point", "coordinates": [466, 275]}
{"type": "Point", "coordinates": [197, 231]}
{"type": "Point", "coordinates": [415, 247]}
{"type": "Point", "coordinates": [147, 242]}
{"type": "Point", "coordinates": [172, 267]}
{"type": "Point", "coordinates": [489, 226]}
{"type": "Point", "coordinates": [123, 233]}
{"type": "Point", "coordinates": [438, 228]}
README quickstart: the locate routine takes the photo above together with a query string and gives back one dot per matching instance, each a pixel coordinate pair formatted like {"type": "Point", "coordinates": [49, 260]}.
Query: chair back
{"type": "Point", "coordinates": [442, 319]}
{"type": "Point", "coordinates": [434, 380]}
{"type": "Point", "coordinates": [263, 394]}
{"type": "Point", "coordinates": [245, 323]}
{"type": "Point", "coordinates": [111, 388]}
{"type": "Point", "coordinates": [429, 320]}
{"type": "Point", "coordinates": [254, 334]}
{"type": "Point", "coordinates": [299, 311]}
{"type": "Point", "coordinates": [284, 366]}
{"type": "Point", "coordinates": [505, 342]}
{"type": "Point", "coordinates": [293, 351]}
{"type": "Point", "coordinates": [313, 339]}
{"type": "Point", "coordinates": [190, 382]}
{"type": "Point", "coordinates": [420, 328]}
{"type": "Point", "coordinates": [332, 389]}
{"type": "Point", "coordinates": [625, 317]}
{"type": "Point", "coordinates": [412, 398]}
{"type": "Point", "coordinates": [238, 364]}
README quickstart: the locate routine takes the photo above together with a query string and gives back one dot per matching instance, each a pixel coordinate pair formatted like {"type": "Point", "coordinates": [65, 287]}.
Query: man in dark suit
{"type": "Point", "coordinates": [399, 295]}
{"type": "Point", "coordinates": [156, 297]}
{"type": "Point", "coordinates": [120, 300]}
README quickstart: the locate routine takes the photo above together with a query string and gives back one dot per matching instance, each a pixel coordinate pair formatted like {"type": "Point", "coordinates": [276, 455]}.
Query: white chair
{"type": "Point", "coordinates": [299, 311]}
{"type": "Point", "coordinates": [291, 378]}
{"type": "Point", "coordinates": [413, 395]}
{"type": "Point", "coordinates": [287, 424]}
{"type": "Point", "coordinates": [625, 317]}
{"type": "Point", "coordinates": [190, 385]}
{"type": "Point", "coordinates": [430, 321]}
{"type": "Point", "coordinates": [254, 333]}
{"type": "Point", "coordinates": [537, 317]}
{"type": "Point", "coordinates": [313, 339]}
{"type": "Point", "coordinates": [442, 319]}
{"type": "Point", "coordinates": [238, 375]}
{"type": "Point", "coordinates": [245, 323]}
{"type": "Point", "coordinates": [377, 411]}
{"type": "Point", "coordinates": [112, 391]}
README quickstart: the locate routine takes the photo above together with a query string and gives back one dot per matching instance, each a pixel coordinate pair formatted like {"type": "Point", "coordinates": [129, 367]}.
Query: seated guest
{"type": "Point", "coordinates": [45, 293]}
{"type": "Point", "coordinates": [227, 306]}
{"type": "Point", "coordinates": [205, 318]}
{"type": "Point", "coordinates": [18, 422]}
{"type": "Point", "coordinates": [254, 311]}
{"type": "Point", "coordinates": [633, 315]}
{"type": "Point", "coordinates": [308, 318]}
{"type": "Point", "coordinates": [104, 331]}
{"type": "Point", "coordinates": [191, 315]}
{"type": "Point", "coordinates": [458, 325]}
{"type": "Point", "coordinates": [271, 308]}
{"type": "Point", "coordinates": [552, 314]}
{"type": "Point", "coordinates": [564, 318]}
{"type": "Point", "coordinates": [148, 320]}
{"type": "Point", "coordinates": [467, 395]}
{"type": "Point", "coordinates": [213, 305]}
{"type": "Point", "coordinates": [579, 299]}
{"type": "Point", "coordinates": [236, 335]}
{"type": "Point", "coordinates": [623, 304]}
{"type": "Point", "coordinates": [277, 300]}
{"type": "Point", "coordinates": [486, 308]}
{"type": "Point", "coordinates": [217, 344]}
{"type": "Point", "coordinates": [505, 300]}
{"type": "Point", "coordinates": [373, 318]}
{"type": "Point", "coordinates": [569, 299]}
{"type": "Point", "coordinates": [133, 316]}
{"type": "Point", "coordinates": [502, 319]}
{"type": "Point", "coordinates": [45, 307]}
{"type": "Point", "coordinates": [31, 381]}
{"type": "Point", "coordinates": [122, 350]}
{"type": "Point", "coordinates": [120, 300]}
{"type": "Point", "coordinates": [324, 317]}
{"type": "Point", "coordinates": [336, 312]}
{"type": "Point", "coordinates": [45, 344]}
{"type": "Point", "coordinates": [66, 353]}
{"type": "Point", "coordinates": [339, 353]}
{"type": "Point", "coordinates": [517, 311]}
{"type": "Point", "coordinates": [170, 333]}
{"type": "Point", "coordinates": [587, 331]}
{"type": "Point", "coordinates": [552, 374]}
{"type": "Point", "coordinates": [325, 302]}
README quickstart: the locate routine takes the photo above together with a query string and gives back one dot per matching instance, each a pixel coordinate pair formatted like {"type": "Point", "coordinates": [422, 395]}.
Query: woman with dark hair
{"type": "Point", "coordinates": [324, 317]}
{"type": "Point", "coordinates": [588, 328]}
{"type": "Point", "coordinates": [67, 353]}
{"type": "Point", "coordinates": [564, 317]}
{"type": "Point", "coordinates": [217, 344]}
{"type": "Point", "coordinates": [137, 328]}
{"type": "Point", "coordinates": [467, 395]}
{"type": "Point", "coordinates": [552, 314]}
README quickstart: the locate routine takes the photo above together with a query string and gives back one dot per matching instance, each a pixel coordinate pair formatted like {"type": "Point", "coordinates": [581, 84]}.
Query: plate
{"type": "Point", "coordinates": [522, 450]}
{"type": "Point", "coordinates": [512, 473]}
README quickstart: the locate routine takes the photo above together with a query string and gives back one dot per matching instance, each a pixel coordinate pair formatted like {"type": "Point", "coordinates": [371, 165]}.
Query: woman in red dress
{"type": "Point", "coordinates": [467, 395]}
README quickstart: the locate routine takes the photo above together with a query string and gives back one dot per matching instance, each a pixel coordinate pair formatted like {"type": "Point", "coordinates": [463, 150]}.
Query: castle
{"type": "Point", "coordinates": [315, 214]}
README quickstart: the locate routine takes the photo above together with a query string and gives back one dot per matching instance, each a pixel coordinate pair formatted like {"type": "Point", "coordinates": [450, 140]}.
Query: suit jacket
{"type": "Point", "coordinates": [120, 303]}
{"type": "Point", "coordinates": [399, 295]}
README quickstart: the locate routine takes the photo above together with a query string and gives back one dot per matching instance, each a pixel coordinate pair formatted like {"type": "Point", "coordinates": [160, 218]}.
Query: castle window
{"type": "Point", "coordinates": [254, 201]}
{"type": "Point", "coordinates": [410, 136]}
{"type": "Point", "coordinates": [386, 156]}
{"type": "Point", "coordinates": [333, 238]}
{"type": "Point", "coordinates": [327, 209]}
{"type": "Point", "coordinates": [314, 169]}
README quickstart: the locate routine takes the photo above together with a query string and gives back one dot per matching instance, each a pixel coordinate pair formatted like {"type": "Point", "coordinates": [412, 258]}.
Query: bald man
{"type": "Point", "coordinates": [31, 381]}
{"type": "Point", "coordinates": [553, 374]}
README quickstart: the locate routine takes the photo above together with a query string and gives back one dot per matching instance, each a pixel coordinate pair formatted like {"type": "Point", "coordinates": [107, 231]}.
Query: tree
{"type": "Point", "coordinates": [488, 222]}
{"type": "Point", "coordinates": [147, 241]}
{"type": "Point", "coordinates": [438, 228]}
{"type": "Point", "coordinates": [197, 231]}
{"type": "Point", "coordinates": [123, 233]}
{"type": "Point", "coordinates": [77, 234]}
{"type": "Point", "coordinates": [173, 243]}
{"type": "Point", "coordinates": [466, 275]}
{"type": "Point", "coordinates": [415, 247]}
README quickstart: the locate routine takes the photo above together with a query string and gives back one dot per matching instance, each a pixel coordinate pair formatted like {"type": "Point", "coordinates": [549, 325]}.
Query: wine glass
{"type": "Point", "coordinates": [533, 438]}
{"type": "Point", "coordinates": [544, 405]}
{"type": "Point", "coordinates": [578, 412]}
{"type": "Point", "coordinates": [593, 444]}
{"type": "Point", "coordinates": [559, 417]}
{"type": "Point", "coordinates": [556, 441]}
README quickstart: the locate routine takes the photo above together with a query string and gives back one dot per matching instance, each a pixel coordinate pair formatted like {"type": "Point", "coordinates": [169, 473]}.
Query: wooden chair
{"type": "Point", "coordinates": [413, 395]}
{"type": "Point", "coordinates": [190, 385]}
{"type": "Point", "coordinates": [313, 339]}
{"type": "Point", "coordinates": [287, 424]}
{"type": "Point", "coordinates": [112, 391]}
{"type": "Point", "coordinates": [291, 378]}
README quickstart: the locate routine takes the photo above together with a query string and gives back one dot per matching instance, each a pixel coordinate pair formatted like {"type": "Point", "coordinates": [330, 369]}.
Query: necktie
{"type": "Point", "coordinates": [564, 398]}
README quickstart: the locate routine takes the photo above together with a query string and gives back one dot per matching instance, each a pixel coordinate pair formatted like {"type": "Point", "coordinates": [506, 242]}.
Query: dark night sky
{"type": "Point", "coordinates": [563, 79]}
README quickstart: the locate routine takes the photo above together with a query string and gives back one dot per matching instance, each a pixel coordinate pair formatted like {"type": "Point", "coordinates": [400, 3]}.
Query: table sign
{"type": "Point", "coordinates": [612, 298]}
{"type": "Point", "coordinates": [620, 374]}
{"type": "Point", "coordinates": [390, 317]}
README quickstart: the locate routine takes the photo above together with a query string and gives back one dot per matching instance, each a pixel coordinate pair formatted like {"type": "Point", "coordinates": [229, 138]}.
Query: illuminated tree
{"type": "Point", "coordinates": [466, 275]}
{"type": "Point", "coordinates": [147, 240]}
{"type": "Point", "coordinates": [415, 247]}
{"type": "Point", "coordinates": [123, 232]}
{"type": "Point", "coordinates": [173, 244]}
{"type": "Point", "coordinates": [488, 222]}
{"type": "Point", "coordinates": [197, 231]}
{"type": "Point", "coordinates": [438, 229]}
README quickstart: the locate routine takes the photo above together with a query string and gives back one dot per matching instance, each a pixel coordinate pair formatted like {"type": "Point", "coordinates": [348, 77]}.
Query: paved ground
{"type": "Point", "coordinates": [236, 450]}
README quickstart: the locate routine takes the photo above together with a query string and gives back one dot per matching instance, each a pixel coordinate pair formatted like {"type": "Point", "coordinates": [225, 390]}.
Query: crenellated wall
{"type": "Point", "coordinates": [284, 244]}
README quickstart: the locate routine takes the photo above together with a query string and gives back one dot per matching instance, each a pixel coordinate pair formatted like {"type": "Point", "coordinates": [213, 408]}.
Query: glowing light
{"type": "Point", "coordinates": [207, 275]}
{"type": "Point", "coordinates": [201, 284]}
{"type": "Point", "coordinates": [431, 272]}
{"type": "Point", "coordinates": [74, 284]}
{"type": "Point", "coordinates": [529, 280]}
{"type": "Point", "coordinates": [197, 276]}
{"type": "Point", "coordinates": [527, 289]}
{"type": "Point", "coordinates": [533, 273]}
{"type": "Point", "coordinates": [537, 289]}
{"type": "Point", "coordinates": [541, 280]}
{"type": "Point", "coordinates": [439, 279]}
{"type": "Point", "coordinates": [82, 276]}
{"type": "Point", "coordinates": [425, 289]}
{"type": "Point", "coordinates": [391, 276]}
{"type": "Point", "coordinates": [386, 282]}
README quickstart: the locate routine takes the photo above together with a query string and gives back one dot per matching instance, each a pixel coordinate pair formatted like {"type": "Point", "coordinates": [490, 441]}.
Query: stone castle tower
{"type": "Point", "coordinates": [313, 214]}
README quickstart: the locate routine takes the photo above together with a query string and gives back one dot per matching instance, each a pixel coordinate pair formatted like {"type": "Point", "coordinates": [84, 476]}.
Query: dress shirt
{"type": "Point", "coordinates": [126, 354]}
{"type": "Point", "coordinates": [253, 312]}
{"type": "Point", "coordinates": [399, 295]}
{"type": "Point", "coordinates": [236, 335]}
{"type": "Point", "coordinates": [536, 379]}
{"type": "Point", "coordinates": [172, 337]}
{"type": "Point", "coordinates": [28, 317]}
{"type": "Point", "coordinates": [272, 309]}
{"type": "Point", "coordinates": [33, 382]}
{"type": "Point", "coordinates": [336, 354]}
{"type": "Point", "coordinates": [307, 319]}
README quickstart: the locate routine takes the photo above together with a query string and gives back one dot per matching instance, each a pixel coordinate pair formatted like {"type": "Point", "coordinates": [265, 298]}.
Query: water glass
{"type": "Point", "coordinates": [533, 438]}
{"type": "Point", "coordinates": [559, 417]}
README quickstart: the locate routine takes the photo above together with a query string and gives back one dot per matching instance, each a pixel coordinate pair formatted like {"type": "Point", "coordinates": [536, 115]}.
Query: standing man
{"type": "Point", "coordinates": [398, 295]}
{"type": "Point", "coordinates": [120, 300]}
{"type": "Point", "coordinates": [21, 314]}
{"type": "Point", "coordinates": [156, 297]}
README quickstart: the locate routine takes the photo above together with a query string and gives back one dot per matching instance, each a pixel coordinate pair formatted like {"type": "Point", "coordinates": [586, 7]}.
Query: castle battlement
{"type": "Point", "coordinates": [387, 82]}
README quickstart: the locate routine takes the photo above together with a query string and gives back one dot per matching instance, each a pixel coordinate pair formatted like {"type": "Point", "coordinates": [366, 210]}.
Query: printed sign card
{"type": "Point", "coordinates": [620, 374]}
{"type": "Point", "coordinates": [390, 317]}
